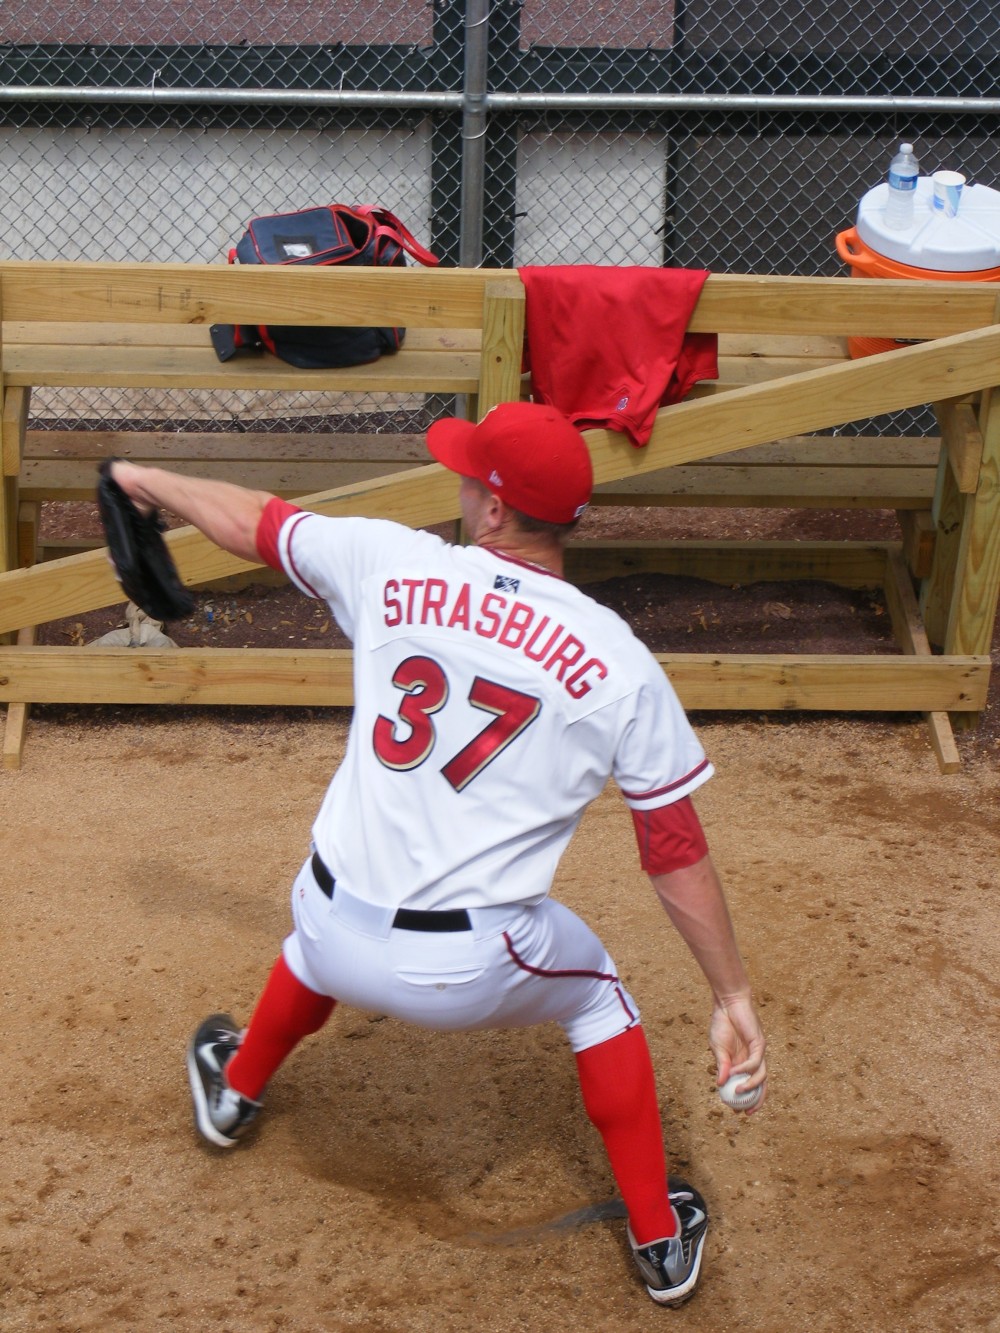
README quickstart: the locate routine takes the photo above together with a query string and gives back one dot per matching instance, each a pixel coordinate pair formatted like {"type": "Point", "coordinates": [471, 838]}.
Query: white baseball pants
{"type": "Point", "coordinates": [516, 966]}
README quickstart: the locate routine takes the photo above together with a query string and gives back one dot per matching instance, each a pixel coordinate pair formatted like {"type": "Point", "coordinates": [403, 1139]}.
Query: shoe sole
{"type": "Point", "coordinates": [679, 1294]}
{"type": "Point", "coordinates": [202, 1119]}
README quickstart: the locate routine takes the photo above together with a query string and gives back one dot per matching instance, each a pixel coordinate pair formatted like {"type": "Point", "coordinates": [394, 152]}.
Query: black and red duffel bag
{"type": "Point", "coordinates": [333, 234]}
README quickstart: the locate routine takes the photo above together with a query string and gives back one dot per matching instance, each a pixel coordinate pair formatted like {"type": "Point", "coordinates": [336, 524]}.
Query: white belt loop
{"type": "Point", "coordinates": [369, 918]}
{"type": "Point", "coordinates": [490, 921]}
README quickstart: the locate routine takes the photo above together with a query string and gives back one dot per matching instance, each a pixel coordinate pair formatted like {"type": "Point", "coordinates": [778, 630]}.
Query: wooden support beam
{"type": "Point", "coordinates": [127, 334]}
{"type": "Point", "coordinates": [973, 609]}
{"type": "Point", "coordinates": [781, 487]}
{"type": "Point", "coordinates": [848, 564]}
{"type": "Point", "coordinates": [409, 371]}
{"type": "Point", "coordinates": [322, 677]}
{"type": "Point", "coordinates": [963, 441]}
{"type": "Point", "coordinates": [167, 448]}
{"type": "Point", "coordinates": [27, 534]}
{"type": "Point", "coordinates": [10, 467]}
{"type": "Point", "coordinates": [13, 421]}
{"type": "Point", "coordinates": [50, 480]}
{"type": "Point", "coordinates": [761, 304]}
{"type": "Point", "coordinates": [938, 589]}
{"type": "Point", "coordinates": [919, 535]}
{"type": "Point", "coordinates": [16, 725]}
{"type": "Point", "coordinates": [204, 294]}
{"type": "Point", "coordinates": [9, 500]}
{"type": "Point", "coordinates": [912, 638]}
{"type": "Point", "coordinates": [503, 337]}
{"type": "Point", "coordinates": [848, 683]}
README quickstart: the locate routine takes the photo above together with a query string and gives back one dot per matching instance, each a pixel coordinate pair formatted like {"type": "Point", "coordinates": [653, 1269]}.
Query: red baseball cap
{"type": "Point", "coordinates": [527, 453]}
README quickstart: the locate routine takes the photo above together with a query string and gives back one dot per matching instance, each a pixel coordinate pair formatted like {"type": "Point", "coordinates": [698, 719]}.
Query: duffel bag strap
{"type": "Point", "coordinates": [389, 228]}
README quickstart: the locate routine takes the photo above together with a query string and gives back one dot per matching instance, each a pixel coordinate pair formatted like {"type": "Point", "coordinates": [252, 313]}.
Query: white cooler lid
{"type": "Point", "coordinates": [961, 244]}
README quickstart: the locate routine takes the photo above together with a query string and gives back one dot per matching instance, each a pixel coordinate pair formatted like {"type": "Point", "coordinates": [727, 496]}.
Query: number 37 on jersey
{"type": "Point", "coordinates": [410, 739]}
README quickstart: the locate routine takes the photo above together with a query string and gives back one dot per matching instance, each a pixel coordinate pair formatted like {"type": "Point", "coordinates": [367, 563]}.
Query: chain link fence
{"type": "Point", "coordinates": [698, 133]}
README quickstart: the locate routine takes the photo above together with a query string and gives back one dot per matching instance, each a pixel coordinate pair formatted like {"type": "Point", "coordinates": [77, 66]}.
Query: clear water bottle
{"type": "Point", "coordinates": [903, 172]}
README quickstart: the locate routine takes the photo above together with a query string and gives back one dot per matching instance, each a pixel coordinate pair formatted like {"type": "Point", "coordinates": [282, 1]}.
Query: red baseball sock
{"type": "Point", "coordinates": [619, 1093]}
{"type": "Point", "coordinates": [286, 1012]}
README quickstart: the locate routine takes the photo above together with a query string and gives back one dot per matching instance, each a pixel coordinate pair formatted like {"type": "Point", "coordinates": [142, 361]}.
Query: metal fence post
{"type": "Point", "coordinates": [477, 31]}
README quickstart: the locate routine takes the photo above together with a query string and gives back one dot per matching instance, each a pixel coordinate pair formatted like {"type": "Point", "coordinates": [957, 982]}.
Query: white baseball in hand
{"type": "Point", "coordinates": [731, 1093]}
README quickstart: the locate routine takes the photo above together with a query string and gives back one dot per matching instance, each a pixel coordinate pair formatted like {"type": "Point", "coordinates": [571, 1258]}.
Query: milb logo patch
{"type": "Point", "coordinates": [506, 583]}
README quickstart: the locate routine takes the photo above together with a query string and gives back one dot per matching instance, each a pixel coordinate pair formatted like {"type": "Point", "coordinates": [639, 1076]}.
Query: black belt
{"type": "Point", "coordinates": [406, 918]}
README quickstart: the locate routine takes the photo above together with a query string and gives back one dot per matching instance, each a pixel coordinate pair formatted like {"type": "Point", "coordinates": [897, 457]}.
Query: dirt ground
{"type": "Point", "coordinates": [404, 1182]}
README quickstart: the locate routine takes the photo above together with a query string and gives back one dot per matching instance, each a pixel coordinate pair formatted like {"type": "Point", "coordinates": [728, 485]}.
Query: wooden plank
{"type": "Point", "coordinates": [312, 677]}
{"type": "Point", "coordinates": [159, 447]}
{"type": "Point", "coordinates": [16, 725]}
{"type": "Point", "coordinates": [948, 513]}
{"type": "Point", "coordinates": [801, 471]}
{"type": "Point", "coordinates": [43, 480]}
{"type": "Point", "coordinates": [14, 423]}
{"type": "Point", "coordinates": [919, 535]}
{"type": "Point", "coordinates": [782, 486]}
{"type": "Point", "coordinates": [406, 371]}
{"type": "Point", "coordinates": [849, 564]}
{"type": "Point", "coordinates": [904, 612]}
{"type": "Point", "coordinates": [9, 470]}
{"type": "Point", "coordinates": [452, 297]}
{"type": "Point", "coordinates": [503, 344]}
{"type": "Point", "coordinates": [973, 610]}
{"type": "Point", "coordinates": [317, 677]}
{"type": "Point", "coordinates": [847, 451]}
{"type": "Point", "coordinates": [963, 440]}
{"type": "Point", "coordinates": [9, 502]}
{"type": "Point", "coordinates": [205, 294]}
{"type": "Point", "coordinates": [912, 638]}
{"type": "Point", "coordinates": [830, 347]}
{"type": "Point", "coordinates": [849, 683]}
{"type": "Point", "coordinates": [888, 308]}
{"type": "Point", "coordinates": [828, 451]}
{"type": "Point", "coordinates": [734, 371]}
{"type": "Point", "coordinates": [322, 677]}
{"type": "Point", "coordinates": [125, 335]}
{"type": "Point", "coordinates": [27, 534]}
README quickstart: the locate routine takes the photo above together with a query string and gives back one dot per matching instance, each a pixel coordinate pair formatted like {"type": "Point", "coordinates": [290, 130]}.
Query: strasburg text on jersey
{"type": "Point", "coordinates": [490, 615]}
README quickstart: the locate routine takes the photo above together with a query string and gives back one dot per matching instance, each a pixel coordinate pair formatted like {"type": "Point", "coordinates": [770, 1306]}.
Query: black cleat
{"type": "Point", "coordinates": [222, 1115]}
{"type": "Point", "coordinates": [670, 1267]}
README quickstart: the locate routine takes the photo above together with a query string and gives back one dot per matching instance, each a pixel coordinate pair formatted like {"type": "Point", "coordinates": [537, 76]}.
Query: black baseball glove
{"type": "Point", "coordinates": [143, 564]}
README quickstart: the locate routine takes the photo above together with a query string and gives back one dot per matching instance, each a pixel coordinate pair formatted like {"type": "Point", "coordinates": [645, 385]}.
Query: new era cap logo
{"type": "Point", "coordinates": [495, 478]}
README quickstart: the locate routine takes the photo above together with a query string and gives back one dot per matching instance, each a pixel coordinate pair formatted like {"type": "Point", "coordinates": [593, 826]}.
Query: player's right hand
{"type": "Point", "coordinates": [738, 1043]}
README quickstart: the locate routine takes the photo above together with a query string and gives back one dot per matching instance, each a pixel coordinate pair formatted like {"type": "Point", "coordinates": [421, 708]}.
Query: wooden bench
{"type": "Point", "coordinates": [747, 440]}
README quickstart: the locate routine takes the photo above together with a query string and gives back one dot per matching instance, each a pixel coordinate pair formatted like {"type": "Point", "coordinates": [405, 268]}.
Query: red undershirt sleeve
{"type": "Point", "coordinates": [275, 513]}
{"type": "Point", "coordinates": [669, 837]}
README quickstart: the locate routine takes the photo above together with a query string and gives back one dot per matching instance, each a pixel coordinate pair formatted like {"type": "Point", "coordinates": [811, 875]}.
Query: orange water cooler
{"type": "Point", "coordinates": [963, 248]}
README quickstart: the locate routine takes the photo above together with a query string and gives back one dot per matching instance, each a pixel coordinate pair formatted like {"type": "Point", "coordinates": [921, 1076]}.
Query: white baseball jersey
{"type": "Point", "coordinates": [492, 702]}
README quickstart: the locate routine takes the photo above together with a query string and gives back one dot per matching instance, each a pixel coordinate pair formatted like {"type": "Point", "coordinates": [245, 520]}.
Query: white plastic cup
{"type": "Point", "coordinates": [947, 192]}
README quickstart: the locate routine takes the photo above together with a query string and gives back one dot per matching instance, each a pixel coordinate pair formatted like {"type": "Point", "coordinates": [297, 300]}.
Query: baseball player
{"type": "Point", "coordinates": [492, 702]}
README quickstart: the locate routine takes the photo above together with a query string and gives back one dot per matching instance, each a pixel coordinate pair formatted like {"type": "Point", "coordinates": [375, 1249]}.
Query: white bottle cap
{"type": "Point", "coordinates": [906, 148]}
